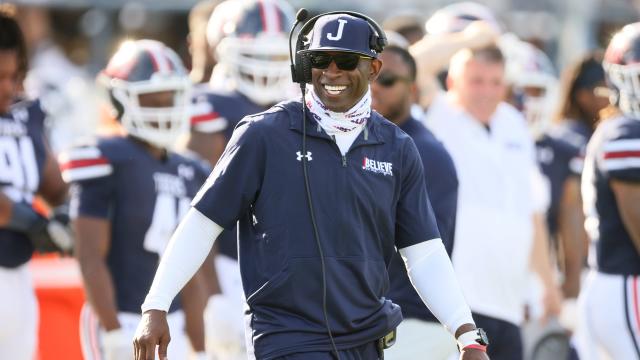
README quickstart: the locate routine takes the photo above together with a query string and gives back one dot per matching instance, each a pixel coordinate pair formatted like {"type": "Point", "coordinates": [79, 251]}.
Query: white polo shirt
{"type": "Point", "coordinates": [494, 228]}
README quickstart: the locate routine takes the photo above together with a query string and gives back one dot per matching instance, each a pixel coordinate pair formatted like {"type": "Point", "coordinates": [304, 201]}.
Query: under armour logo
{"type": "Point", "coordinates": [300, 156]}
{"type": "Point", "coordinates": [338, 36]}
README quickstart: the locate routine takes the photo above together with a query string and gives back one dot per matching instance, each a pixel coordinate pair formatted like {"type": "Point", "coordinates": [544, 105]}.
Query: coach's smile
{"type": "Point", "coordinates": [334, 89]}
{"type": "Point", "coordinates": [339, 90]}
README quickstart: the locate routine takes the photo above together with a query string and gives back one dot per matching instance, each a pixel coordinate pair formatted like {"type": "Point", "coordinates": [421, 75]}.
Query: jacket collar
{"type": "Point", "coordinates": [371, 134]}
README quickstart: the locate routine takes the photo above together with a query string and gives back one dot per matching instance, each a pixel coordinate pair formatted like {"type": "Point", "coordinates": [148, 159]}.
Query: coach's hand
{"type": "Point", "coordinates": [153, 330]}
{"type": "Point", "coordinates": [473, 354]}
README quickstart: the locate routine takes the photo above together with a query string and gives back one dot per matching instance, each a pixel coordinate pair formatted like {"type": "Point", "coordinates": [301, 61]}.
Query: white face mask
{"type": "Point", "coordinates": [258, 68]}
{"type": "Point", "coordinates": [160, 126]}
{"type": "Point", "coordinates": [626, 79]}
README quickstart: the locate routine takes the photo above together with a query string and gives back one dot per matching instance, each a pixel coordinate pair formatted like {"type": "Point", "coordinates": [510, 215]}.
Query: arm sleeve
{"type": "Point", "coordinates": [620, 155]}
{"type": "Point", "coordinates": [235, 181]}
{"type": "Point", "coordinates": [433, 277]}
{"type": "Point", "coordinates": [415, 221]}
{"type": "Point", "coordinates": [186, 251]}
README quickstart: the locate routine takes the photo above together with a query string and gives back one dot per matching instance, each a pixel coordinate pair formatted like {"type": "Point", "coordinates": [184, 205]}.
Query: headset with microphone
{"type": "Point", "coordinates": [301, 69]}
{"type": "Point", "coordinates": [301, 74]}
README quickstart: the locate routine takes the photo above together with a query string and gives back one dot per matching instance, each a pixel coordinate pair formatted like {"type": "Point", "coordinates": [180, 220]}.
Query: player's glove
{"type": "Point", "coordinates": [224, 328]}
{"type": "Point", "coordinates": [53, 234]}
{"type": "Point", "coordinates": [117, 345]}
{"type": "Point", "coordinates": [46, 235]}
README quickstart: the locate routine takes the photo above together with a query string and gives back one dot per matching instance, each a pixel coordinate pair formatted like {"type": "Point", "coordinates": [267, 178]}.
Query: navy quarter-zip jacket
{"type": "Point", "coordinates": [366, 203]}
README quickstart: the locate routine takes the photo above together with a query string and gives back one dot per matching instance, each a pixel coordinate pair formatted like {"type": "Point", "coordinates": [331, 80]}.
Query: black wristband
{"type": "Point", "coordinates": [25, 219]}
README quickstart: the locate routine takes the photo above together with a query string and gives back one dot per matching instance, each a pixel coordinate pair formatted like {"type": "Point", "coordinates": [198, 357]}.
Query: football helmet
{"type": "Point", "coordinates": [251, 44]}
{"type": "Point", "coordinates": [622, 67]}
{"type": "Point", "coordinates": [456, 17]}
{"type": "Point", "coordinates": [145, 67]}
{"type": "Point", "coordinates": [533, 81]}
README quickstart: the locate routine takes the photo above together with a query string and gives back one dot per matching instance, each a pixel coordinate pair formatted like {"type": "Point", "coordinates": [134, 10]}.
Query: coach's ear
{"type": "Point", "coordinates": [374, 69]}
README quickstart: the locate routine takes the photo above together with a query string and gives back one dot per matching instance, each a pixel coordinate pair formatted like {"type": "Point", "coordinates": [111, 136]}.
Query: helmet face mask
{"type": "Point", "coordinates": [158, 125]}
{"type": "Point", "coordinates": [622, 68]}
{"type": "Point", "coordinates": [259, 68]}
{"type": "Point", "coordinates": [625, 83]}
{"type": "Point", "coordinates": [150, 91]}
{"type": "Point", "coordinates": [533, 81]}
{"type": "Point", "coordinates": [536, 103]}
{"type": "Point", "coordinates": [539, 97]}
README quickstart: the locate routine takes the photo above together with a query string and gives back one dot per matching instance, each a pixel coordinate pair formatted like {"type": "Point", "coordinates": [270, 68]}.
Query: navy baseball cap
{"type": "Point", "coordinates": [342, 32]}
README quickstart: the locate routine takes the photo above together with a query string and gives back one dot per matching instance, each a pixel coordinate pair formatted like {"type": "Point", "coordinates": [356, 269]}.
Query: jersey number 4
{"type": "Point", "coordinates": [167, 213]}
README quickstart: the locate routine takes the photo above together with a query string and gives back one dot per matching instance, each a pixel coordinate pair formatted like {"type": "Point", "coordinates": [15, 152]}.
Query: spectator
{"type": "Point", "coordinates": [392, 93]}
{"type": "Point", "coordinates": [583, 95]}
{"type": "Point", "coordinates": [498, 226]}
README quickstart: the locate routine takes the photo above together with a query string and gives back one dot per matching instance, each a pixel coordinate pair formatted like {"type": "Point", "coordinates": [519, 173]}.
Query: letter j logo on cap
{"type": "Point", "coordinates": [338, 36]}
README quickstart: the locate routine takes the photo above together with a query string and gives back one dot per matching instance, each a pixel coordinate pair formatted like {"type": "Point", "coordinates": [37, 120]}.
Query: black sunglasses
{"type": "Point", "coordinates": [388, 79]}
{"type": "Point", "coordinates": [344, 61]}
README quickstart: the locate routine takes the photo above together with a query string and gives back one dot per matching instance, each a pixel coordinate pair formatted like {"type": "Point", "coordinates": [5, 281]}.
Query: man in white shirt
{"type": "Point", "coordinates": [498, 217]}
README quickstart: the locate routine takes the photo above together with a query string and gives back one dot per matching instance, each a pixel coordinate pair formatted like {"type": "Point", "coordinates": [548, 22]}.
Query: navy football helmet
{"type": "Point", "coordinates": [622, 67]}
{"type": "Point", "coordinates": [251, 44]}
{"type": "Point", "coordinates": [147, 67]}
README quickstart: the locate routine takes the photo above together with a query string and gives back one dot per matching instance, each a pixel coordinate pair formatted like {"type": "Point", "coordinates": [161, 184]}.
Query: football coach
{"type": "Point", "coordinates": [322, 190]}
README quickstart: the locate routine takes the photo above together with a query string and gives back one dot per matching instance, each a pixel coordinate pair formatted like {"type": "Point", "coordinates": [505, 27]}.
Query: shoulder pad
{"type": "Point", "coordinates": [204, 117]}
{"type": "Point", "coordinates": [84, 163]}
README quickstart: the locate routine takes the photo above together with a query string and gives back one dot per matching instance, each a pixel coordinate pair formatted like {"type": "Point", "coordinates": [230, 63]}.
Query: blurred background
{"type": "Point", "coordinates": [88, 31]}
{"type": "Point", "coordinates": [70, 41]}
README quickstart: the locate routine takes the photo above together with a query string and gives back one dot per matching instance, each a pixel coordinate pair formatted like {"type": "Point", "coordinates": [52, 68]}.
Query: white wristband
{"type": "Point", "coordinates": [468, 338]}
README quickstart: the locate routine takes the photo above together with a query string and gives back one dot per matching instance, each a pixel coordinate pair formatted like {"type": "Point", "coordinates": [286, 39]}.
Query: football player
{"type": "Point", "coordinates": [128, 194]}
{"type": "Point", "coordinates": [27, 169]}
{"type": "Point", "coordinates": [252, 73]}
{"type": "Point", "coordinates": [610, 315]}
{"type": "Point", "coordinates": [534, 91]}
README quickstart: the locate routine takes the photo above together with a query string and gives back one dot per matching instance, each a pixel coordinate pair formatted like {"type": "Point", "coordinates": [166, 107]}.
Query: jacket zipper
{"type": "Point", "coordinates": [343, 157]}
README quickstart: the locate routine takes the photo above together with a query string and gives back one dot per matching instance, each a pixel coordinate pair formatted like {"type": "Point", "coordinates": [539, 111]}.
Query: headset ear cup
{"type": "Point", "coordinates": [378, 39]}
{"type": "Point", "coordinates": [382, 42]}
{"type": "Point", "coordinates": [373, 43]}
{"type": "Point", "coordinates": [299, 75]}
{"type": "Point", "coordinates": [305, 68]}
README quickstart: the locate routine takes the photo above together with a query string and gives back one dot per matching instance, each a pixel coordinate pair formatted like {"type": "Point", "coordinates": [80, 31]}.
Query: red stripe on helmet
{"type": "Point", "coordinates": [120, 71]}
{"type": "Point", "coordinates": [263, 16]}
